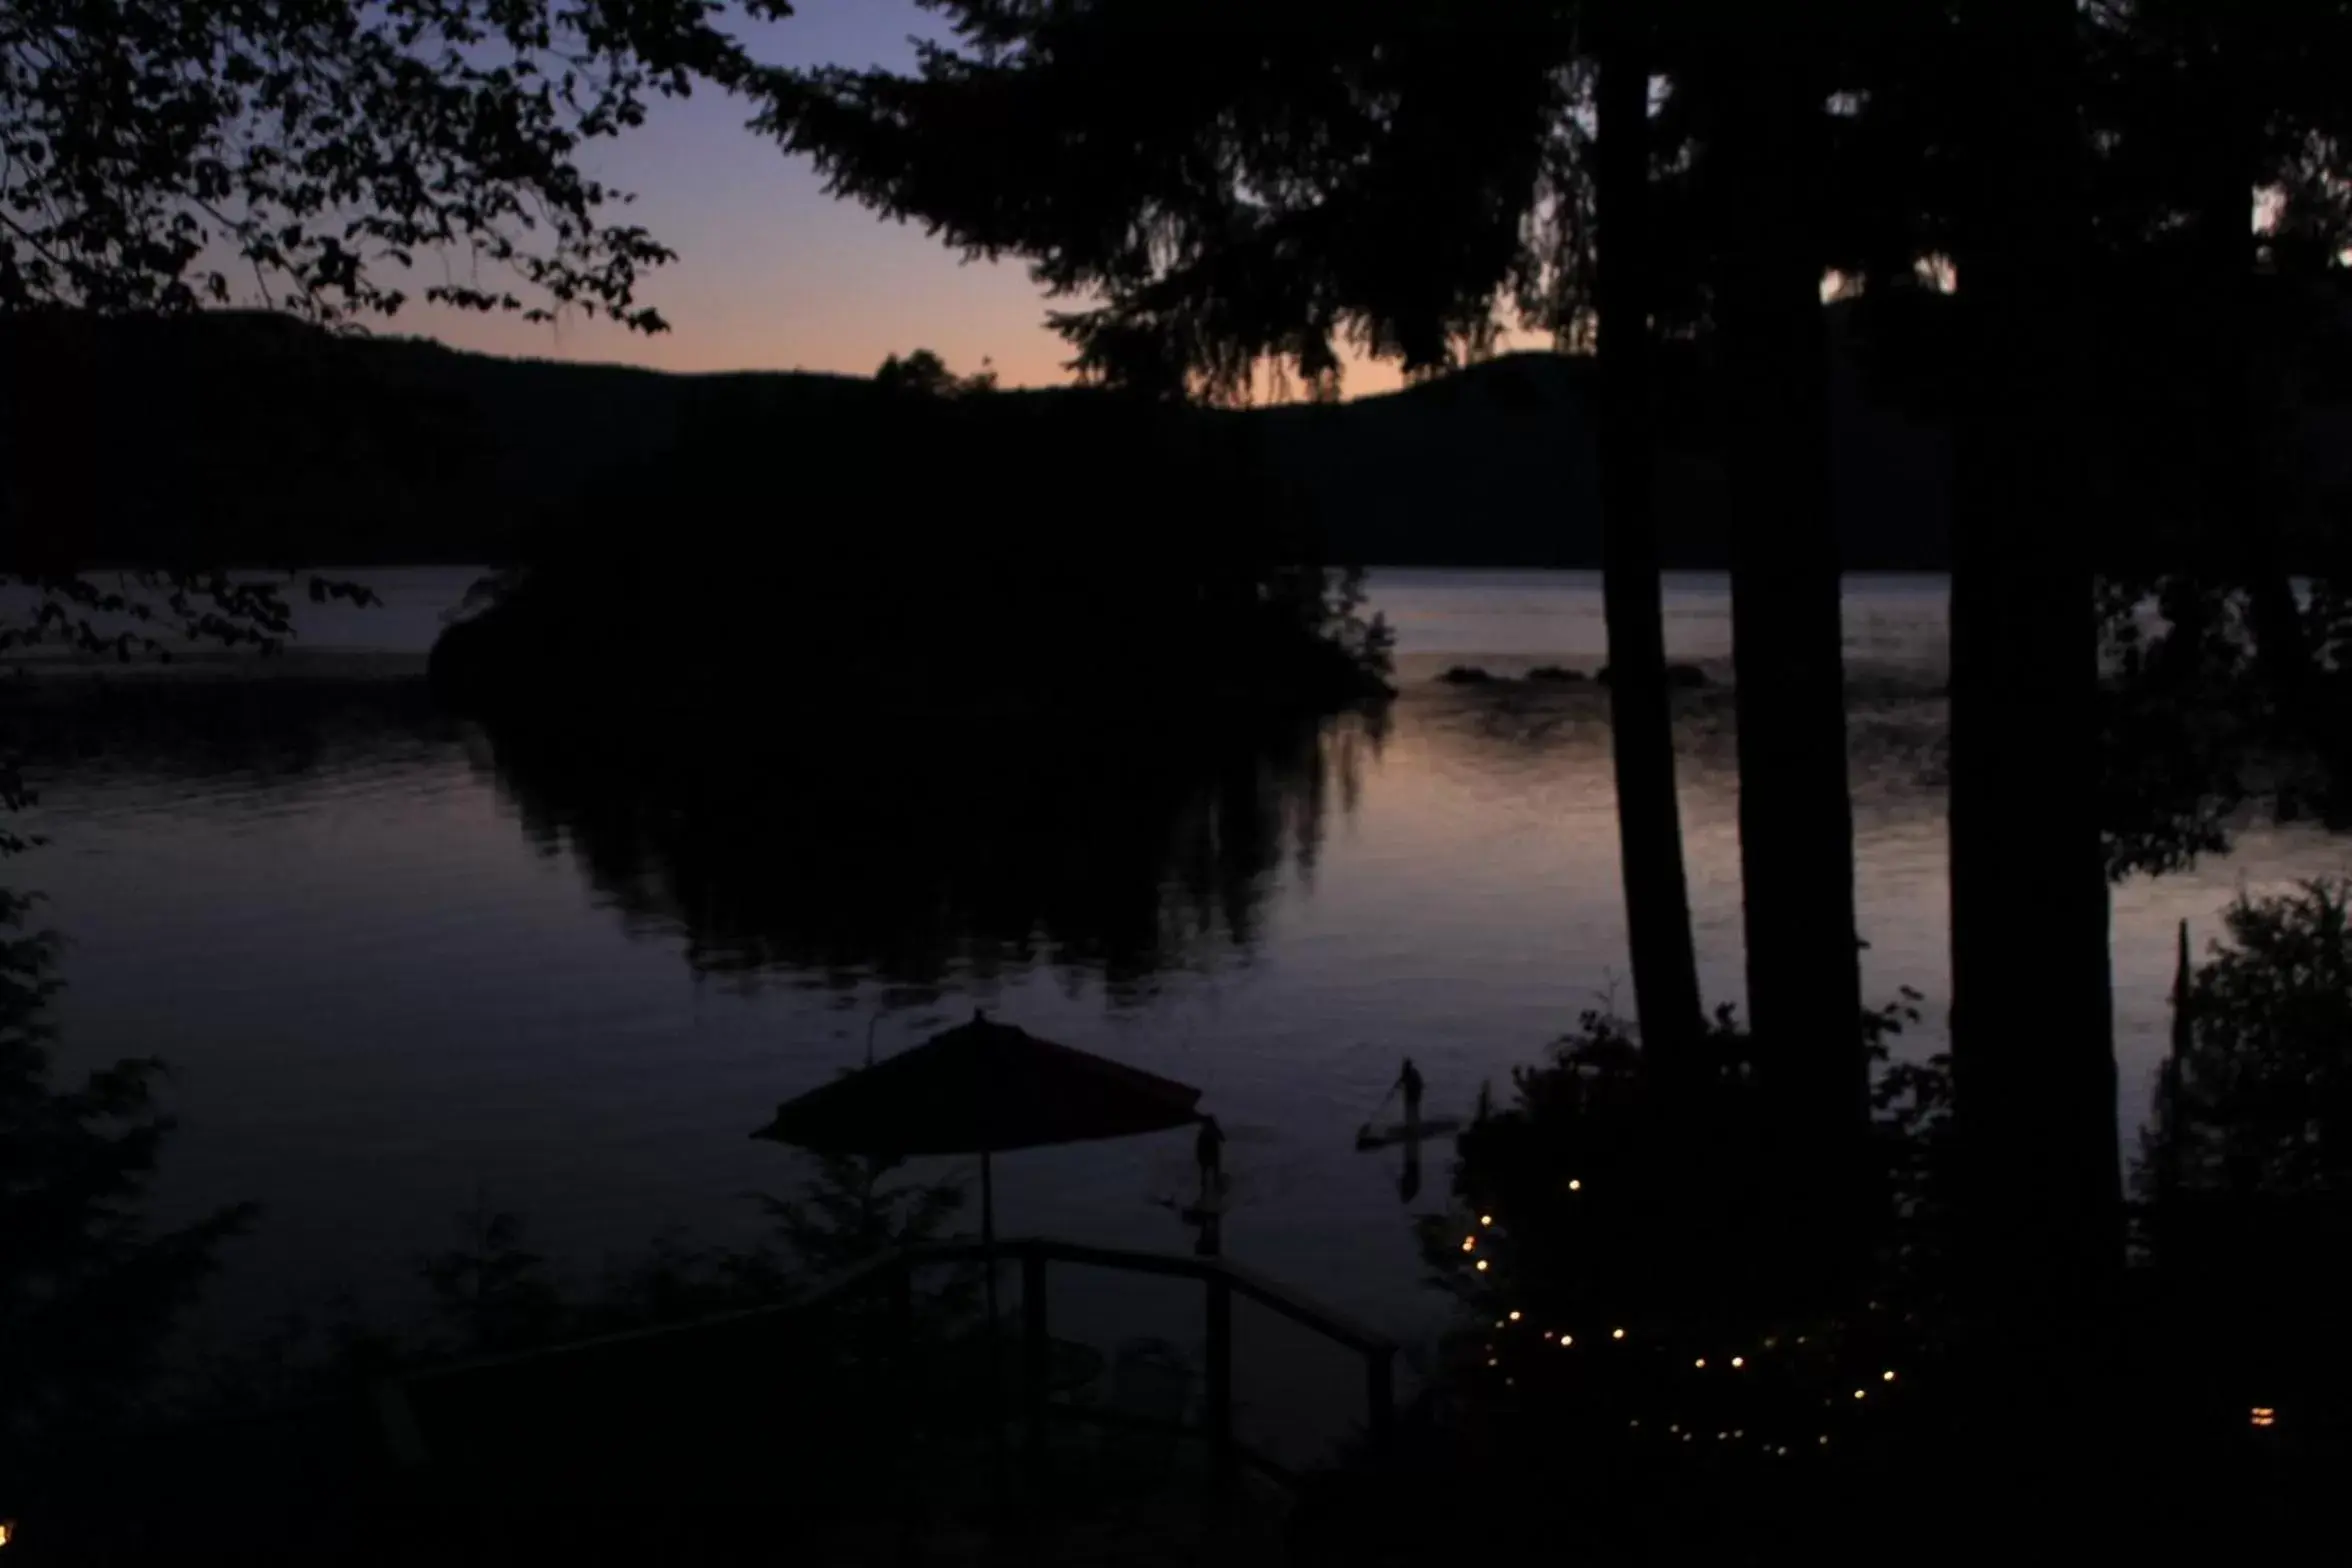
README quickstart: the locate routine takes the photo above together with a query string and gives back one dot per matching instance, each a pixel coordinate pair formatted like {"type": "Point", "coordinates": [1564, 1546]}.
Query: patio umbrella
{"type": "Point", "coordinates": [981, 1088]}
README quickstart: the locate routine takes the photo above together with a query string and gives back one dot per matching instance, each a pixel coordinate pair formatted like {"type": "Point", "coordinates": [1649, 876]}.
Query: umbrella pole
{"type": "Point", "coordinates": [996, 1401]}
{"type": "Point", "coordinates": [988, 1234]}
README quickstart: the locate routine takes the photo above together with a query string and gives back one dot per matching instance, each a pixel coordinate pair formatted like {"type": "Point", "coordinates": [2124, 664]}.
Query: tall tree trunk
{"type": "Point", "coordinates": [1649, 819]}
{"type": "Point", "coordinates": [2243, 495]}
{"type": "Point", "coordinates": [1796, 814]}
{"type": "Point", "coordinates": [2032, 1020]}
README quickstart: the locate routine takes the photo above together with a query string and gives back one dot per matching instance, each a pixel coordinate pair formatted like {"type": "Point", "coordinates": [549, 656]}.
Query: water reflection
{"type": "Point", "coordinates": [267, 726]}
{"type": "Point", "coordinates": [1118, 851]}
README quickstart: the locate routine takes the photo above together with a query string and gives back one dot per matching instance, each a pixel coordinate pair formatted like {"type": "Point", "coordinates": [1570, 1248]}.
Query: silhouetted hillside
{"type": "Point", "coordinates": [1495, 466]}
{"type": "Point", "coordinates": [254, 438]}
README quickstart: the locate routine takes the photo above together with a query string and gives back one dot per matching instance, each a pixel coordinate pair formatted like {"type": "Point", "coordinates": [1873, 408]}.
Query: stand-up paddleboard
{"type": "Point", "coordinates": [1388, 1135]}
{"type": "Point", "coordinates": [1196, 1209]}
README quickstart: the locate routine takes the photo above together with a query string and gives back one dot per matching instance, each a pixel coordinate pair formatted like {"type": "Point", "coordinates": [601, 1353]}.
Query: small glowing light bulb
{"type": "Point", "coordinates": [1575, 1185]}
{"type": "Point", "coordinates": [1616, 1333]}
{"type": "Point", "coordinates": [1469, 1243]}
{"type": "Point", "coordinates": [1858, 1393]}
{"type": "Point", "coordinates": [1486, 1219]}
{"type": "Point", "coordinates": [1825, 1439]}
{"type": "Point", "coordinates": [1886, 1377]}
{"type": "Point", "coordinates": [1515, 1318]}
{"type": "Point", "coordinates": [1701, 1363]}
{"type": "Point", "coordinates": [1738, 1362]}
{"type": "Point", "coordinates": [1566, 1340]}
{"type": "Point", "coordinates": [1492, 1362]}
{"type": "Point", "coordinates": [1547, 1333]}
{"type": "Point", "coordinates": [1482, 1265]}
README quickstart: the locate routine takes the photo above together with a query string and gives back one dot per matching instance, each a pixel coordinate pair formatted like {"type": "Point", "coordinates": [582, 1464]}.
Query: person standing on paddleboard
{"type": "Point", "coordinates": [1208, 1152]}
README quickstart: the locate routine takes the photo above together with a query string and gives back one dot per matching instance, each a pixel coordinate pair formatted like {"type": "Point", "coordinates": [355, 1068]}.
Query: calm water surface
{"type": "Point", "coordinates": [397, 970]}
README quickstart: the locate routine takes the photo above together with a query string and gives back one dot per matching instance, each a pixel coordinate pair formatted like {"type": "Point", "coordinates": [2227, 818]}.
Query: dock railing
{"type": "Point", "coordinates": [889, 1278]}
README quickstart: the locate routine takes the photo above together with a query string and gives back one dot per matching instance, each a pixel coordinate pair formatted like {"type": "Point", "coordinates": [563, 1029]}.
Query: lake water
{"type": "Point", "coordinates": [396, 971]}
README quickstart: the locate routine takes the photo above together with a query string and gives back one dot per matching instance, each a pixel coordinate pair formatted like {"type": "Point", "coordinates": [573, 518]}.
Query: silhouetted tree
{"type": "Point", "coordinates": [1242, 196]}
{"type": "Point", "coordinates": [2032, 1016]}
{"type": "Point", "coordinates": [164, 156]}
{"type": "Point", "coordinates": [2222, 440]}
{"type": "Point", "coordinates": [1763, 74]}
{"type": "Point", "coordinates": [1059, 616]}
{"type": "Point", "coordinates": [2245, 1169]}
{"type": "Point", "coordinates": [1641, 716]}
{"type": "Point", "coordinates": [927, 375]}
{"type": "Point", "coordinates": [169, 154]}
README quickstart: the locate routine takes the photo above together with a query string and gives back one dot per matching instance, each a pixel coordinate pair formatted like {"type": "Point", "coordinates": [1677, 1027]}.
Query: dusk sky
{"type": "Point", "coordinates": [771, 273]}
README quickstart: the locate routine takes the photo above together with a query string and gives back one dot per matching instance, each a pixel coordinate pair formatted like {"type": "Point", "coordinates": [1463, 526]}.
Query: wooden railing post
{"type": "Point", "coordinates": [1219, 1397]}
{"type": "Point", "coordinates": [1380, 1400]}
{"type": "Point", "coordinates": [1036, 1357]}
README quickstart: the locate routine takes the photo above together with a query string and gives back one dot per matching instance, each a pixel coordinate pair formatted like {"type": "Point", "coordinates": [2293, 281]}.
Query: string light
{"type": "Point", "coordinates": [1825, 1439]}
{"type": "Point", "coordinates": [1515, 1318]}
{"type": "Point", "coordinates": [1858, 1393]}
{"type": "Point", "coordinates": [2264, 1415]}
{"type": "Point", "coordinates": [1574, 1185]}
{"type": "Point", "coordinates": [1566, 1340]}
{"type": "Point", "coordinates": [1616, 1333]}
{"type": "Point", "coordinates": [1469, 1243]}
{"type": "Point", "coordinates": [1887, 1376]}
{"type": "Point", "coordinates": [1486, 1219]}
{"type": "Point", "coordinates": [1701, 1363]}
{"type": "Point", "coordinates": [1738, 1361]}
{"type": "Point", "coordinates": [1547, 1333]}
{"type": "Point", "coordinates": [1482, 1265]}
